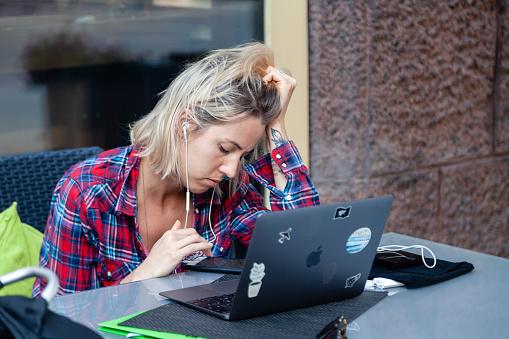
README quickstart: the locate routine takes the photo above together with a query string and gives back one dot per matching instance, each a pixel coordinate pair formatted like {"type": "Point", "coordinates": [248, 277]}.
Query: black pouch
{"type": "Point", "coordinates": [419, 275]}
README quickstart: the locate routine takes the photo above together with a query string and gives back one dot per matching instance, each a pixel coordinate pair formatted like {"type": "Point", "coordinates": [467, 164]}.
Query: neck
{"type": "Point", "coordinates": [157, 188]}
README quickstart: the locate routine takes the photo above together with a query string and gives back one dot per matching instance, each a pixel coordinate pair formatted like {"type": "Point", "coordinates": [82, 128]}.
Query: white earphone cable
{"type": "Point", "coordinates": [210, 222]}
{"type": "Point", "coordinates": [392, 248]}
{"type": "Point", "coordinates": [188, 194]}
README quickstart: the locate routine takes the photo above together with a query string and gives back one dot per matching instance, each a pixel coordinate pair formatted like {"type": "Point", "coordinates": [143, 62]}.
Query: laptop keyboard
{"type": "Point", "coordinates": [226, 277]}
{"type": "Point", "coordinates": [221, 304]}
{"type": "Point", "coordinates": [223, 263]}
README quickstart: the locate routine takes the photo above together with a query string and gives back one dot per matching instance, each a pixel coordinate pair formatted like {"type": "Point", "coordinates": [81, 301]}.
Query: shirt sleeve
{"type": "Point", "coordinates": [65, 249]}
{"type": "Point", "coordinates": [298, 192]}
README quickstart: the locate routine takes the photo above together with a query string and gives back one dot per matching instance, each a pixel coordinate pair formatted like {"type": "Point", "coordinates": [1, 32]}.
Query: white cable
{"type": "Point", "coordinates": [392, 248]}
{"type": "Point", "coordinates": [210, 222]}
{"type": "Point", "coordinates": [188, 195]}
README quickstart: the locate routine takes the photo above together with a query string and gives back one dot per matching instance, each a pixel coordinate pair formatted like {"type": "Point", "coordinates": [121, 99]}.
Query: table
{"type": "Point", "coordinates": [475, 305]}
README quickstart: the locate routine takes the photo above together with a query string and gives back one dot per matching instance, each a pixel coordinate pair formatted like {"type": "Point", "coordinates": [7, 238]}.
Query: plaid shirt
{"type": "Point", "coordinates": [92, 239]}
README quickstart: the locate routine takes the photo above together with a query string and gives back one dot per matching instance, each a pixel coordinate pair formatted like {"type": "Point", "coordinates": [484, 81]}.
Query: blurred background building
{"type": "Point", "coordinates": [409, 98]}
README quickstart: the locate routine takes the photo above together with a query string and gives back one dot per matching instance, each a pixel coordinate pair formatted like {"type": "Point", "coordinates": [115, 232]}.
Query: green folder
{"type": "Point", "coordinates": [112, 326]}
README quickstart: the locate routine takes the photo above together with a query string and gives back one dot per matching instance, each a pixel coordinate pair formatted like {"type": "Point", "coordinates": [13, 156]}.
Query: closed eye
{"type": "Point", "coordinates": [223, 150]}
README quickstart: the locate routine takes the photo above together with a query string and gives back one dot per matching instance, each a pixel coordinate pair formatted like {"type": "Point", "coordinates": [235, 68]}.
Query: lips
{"type": "Point", "coordinates": [215, 181]}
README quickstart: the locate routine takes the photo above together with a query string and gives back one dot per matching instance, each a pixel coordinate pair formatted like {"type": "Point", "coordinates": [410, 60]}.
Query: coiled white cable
{"type": "Point", "coordinates": [210, 222]}
{"type": "Point", "coordinates": [393, 248]}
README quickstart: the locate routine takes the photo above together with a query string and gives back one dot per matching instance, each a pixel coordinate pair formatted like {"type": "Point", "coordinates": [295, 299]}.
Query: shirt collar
{"type": "Point", "coordinates": [127, 200]}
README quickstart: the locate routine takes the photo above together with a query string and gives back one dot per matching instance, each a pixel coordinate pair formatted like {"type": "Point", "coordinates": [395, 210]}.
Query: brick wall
{"type": "Point", "coordinates": [412, 98]}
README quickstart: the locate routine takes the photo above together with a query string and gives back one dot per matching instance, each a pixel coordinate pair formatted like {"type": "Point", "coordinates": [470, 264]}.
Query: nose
{"type": "Point", "coordinates": [230, 167]}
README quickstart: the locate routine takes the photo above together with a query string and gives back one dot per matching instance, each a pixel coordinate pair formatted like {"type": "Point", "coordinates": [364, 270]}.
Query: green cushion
{"type": "Point", "coordinates": [20, 245]}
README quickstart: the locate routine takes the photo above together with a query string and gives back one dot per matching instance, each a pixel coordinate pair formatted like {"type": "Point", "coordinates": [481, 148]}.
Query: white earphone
{"type": "Point", "coordinates": [185, 126]}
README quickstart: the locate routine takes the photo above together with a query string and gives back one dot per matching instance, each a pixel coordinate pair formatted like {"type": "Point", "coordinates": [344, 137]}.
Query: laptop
{"type": "Point", "coordinates": [298, 258]}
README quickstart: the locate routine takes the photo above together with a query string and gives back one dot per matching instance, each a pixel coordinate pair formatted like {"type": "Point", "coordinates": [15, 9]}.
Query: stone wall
{"type": "Point", "coordinates": [411, 98]}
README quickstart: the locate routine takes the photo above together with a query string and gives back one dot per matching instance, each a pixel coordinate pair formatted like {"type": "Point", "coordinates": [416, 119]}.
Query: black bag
{"type": "Point", "coordinates": [26, 318]}
{"type": "Point", "coordinates": [22, 317]}
{"type": "Point", "coordinates": [420, 275]}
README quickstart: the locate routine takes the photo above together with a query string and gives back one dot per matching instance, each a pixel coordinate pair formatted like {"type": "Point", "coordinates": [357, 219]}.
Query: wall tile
{"type": "Point", "coordinates": [432, 75]}
{"type": "Point", "coordinates": [502, 112]}
{"type": "Point", "coordinates": [339, 41]}
{"type": "Point", "coordinates": [414, 210]}
{"type": "Point", "coordinates": [474, 200]}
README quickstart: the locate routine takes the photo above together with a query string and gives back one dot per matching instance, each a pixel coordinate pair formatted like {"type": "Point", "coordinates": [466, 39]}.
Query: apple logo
{"type": "Point", "coordinates": [314, 257]}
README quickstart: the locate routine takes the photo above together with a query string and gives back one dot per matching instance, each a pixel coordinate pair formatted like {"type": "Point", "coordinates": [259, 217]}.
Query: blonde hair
{"type": "Point", "coordinates": [225, 85]}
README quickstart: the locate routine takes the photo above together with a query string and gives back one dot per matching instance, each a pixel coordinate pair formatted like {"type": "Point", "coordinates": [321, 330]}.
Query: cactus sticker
{"type": "Point", "coordinates": [256, 275]}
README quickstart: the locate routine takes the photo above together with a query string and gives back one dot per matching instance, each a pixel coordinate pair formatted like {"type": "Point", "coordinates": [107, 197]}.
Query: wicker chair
{"type": "Point", "coordinates": [30, 179]}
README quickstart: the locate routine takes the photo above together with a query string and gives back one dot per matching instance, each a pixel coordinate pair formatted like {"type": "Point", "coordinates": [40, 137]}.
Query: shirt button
{"type": "Point", "coordinates": [283, 164]}
{"type": "Point", "coordinates": [221, 249]}
{"type": "Point", "coordinates": [196, 210]}
{"type": "Point", "coordinates": [288, 197]}
{"type": "Point", "coordinates": [278, 156]}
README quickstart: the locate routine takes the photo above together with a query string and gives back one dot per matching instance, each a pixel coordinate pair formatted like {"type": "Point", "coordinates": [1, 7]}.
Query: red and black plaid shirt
{"type": "Point", "coordinates": [92, 237]}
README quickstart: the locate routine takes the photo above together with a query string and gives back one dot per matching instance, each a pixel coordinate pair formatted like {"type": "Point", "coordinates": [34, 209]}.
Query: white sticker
{"type": "Point", "coordinates": [285, 235]}
{"type": "Point", "coordinates": [358, 240]}
{"type": "Point", "coordinates": [352, 280]}
{"type": "Point", "coordinates": [342, 212]}
{"type": "Point", "coordinates": [255, 275]}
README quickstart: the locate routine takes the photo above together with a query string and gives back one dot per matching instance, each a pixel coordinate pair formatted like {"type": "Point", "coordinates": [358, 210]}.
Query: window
{"type": "Point", "coordinates": [76, 73]}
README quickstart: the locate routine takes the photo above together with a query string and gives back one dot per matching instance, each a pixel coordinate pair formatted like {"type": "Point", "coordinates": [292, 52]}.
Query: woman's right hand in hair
{"type": "Point", "coordinates": [285, 84]}
{"type": "Point", "coordinates": [175, 244]}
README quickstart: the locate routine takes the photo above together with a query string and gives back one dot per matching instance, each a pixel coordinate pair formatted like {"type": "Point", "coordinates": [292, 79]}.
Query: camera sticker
{"type": "Point", "coordinates": [358, 240]}
{"type": "Point", "coordinates": [352, 280]}
{"type": "Point", "coordinates": [342, 212]}
{"type": "Point", "coordinates": [255, 275]}
{"type": "Point", "coordinates": [285, 235]}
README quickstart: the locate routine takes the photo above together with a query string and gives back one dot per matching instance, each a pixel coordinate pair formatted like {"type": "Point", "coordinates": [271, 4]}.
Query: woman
{"type": "Point", "coordinates": [123, 215]}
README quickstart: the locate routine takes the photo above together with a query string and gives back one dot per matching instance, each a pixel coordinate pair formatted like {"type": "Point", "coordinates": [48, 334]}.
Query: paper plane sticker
{"type": "Point", "coordinates": [285, 235]}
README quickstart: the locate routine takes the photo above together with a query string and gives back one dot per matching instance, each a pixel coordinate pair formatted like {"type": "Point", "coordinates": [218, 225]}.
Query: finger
{"type": "Point", "coordinates": [177, 225]}
{"type": "Point", "coordinates": [208, 252]}
{"type": "Point", "coordinates": [268, 77]}
{"type": "Point", "coordinates": [179, 233]}
{"type": "Point", "coordinates": [195, 247]}
{"type": "Point", "coordinates": [272, 74]}
{"type": "Point", "coordinates": [193, 239]}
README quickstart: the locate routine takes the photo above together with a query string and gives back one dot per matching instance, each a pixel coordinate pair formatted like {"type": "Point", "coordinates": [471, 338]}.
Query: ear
{"type": "Point", "coordinates": [184, 125]}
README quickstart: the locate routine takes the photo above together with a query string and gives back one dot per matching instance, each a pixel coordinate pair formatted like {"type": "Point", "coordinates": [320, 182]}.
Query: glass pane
{"type": "Point", "coordinates": [76, 73]}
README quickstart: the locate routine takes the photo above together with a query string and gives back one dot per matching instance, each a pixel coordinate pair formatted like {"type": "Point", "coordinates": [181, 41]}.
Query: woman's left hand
{"type": "Point", "coordinates": [285, 84]}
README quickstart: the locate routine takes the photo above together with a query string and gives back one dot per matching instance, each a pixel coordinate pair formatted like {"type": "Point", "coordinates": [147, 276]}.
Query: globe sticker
{"type": "Point", "coordinates": [358, 240]}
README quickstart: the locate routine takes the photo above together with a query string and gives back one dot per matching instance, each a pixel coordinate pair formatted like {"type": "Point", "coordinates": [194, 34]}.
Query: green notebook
{"type": "Point", "coordinates": [112, 326]}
